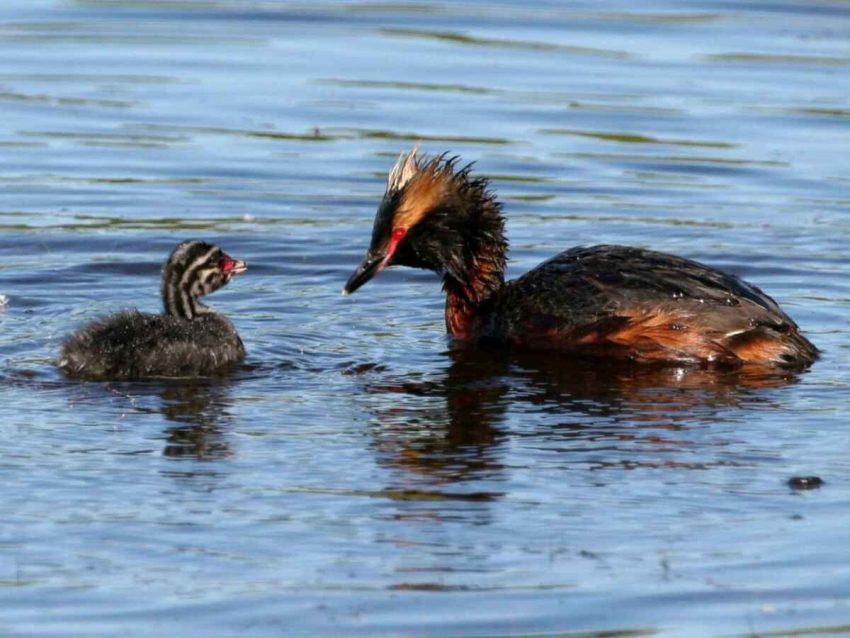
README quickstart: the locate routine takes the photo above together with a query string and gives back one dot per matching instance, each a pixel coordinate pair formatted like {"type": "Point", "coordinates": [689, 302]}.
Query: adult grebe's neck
{"type": "Point", "coordinates": [474, 270]}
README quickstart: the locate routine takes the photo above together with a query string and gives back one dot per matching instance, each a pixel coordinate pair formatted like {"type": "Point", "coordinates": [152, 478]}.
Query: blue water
{"type": "Point", "coordinates": [358, 477]}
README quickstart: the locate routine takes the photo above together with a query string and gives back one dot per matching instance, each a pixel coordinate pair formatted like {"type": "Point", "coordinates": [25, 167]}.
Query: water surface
{"type": "Point", "coordinates": [358, 476]}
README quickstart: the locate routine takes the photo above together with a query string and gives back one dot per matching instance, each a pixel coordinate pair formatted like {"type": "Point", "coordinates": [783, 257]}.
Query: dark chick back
{"type": "Point", "coordinates": [135, 345]}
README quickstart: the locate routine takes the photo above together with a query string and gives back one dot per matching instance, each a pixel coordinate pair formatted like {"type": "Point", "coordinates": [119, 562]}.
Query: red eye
{"type": "Point", "coordinates": [227, 264]}
{"type": "Point", "coordinates": [398, 234]}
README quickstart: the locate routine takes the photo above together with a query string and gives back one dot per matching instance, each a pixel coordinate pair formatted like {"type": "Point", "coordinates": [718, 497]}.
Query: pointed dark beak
{"type": "Point", "coordinates": [376, 260]}
{"type": "Point", "coordinates": [368, 268]}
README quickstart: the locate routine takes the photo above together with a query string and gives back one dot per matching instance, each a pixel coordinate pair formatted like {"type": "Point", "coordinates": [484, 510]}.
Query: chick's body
{"type": "Point", "coordinates": [187, 340]}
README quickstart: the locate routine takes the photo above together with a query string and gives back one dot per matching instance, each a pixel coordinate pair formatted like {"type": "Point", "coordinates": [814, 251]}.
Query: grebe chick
{"type": "Point", "coordinates": [603, 301]}
{"type": "Point", "coordinates": [188, 339]}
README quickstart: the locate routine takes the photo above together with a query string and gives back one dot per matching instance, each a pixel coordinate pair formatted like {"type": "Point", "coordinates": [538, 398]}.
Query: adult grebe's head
{"type": "Point", "coordinates": [434, 215]}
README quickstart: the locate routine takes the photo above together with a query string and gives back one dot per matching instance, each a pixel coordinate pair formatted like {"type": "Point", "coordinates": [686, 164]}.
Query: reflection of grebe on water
{"type": "Point", "coordinates": [454, 428]}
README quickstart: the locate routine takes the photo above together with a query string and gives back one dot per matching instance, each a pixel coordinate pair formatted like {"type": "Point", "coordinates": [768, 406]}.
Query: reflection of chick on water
{"type": "Point", "coordinates": [201, 418]}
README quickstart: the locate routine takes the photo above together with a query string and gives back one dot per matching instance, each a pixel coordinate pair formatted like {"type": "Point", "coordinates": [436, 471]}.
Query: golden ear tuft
{"type": "Point", "coordinates": [423, 193]}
